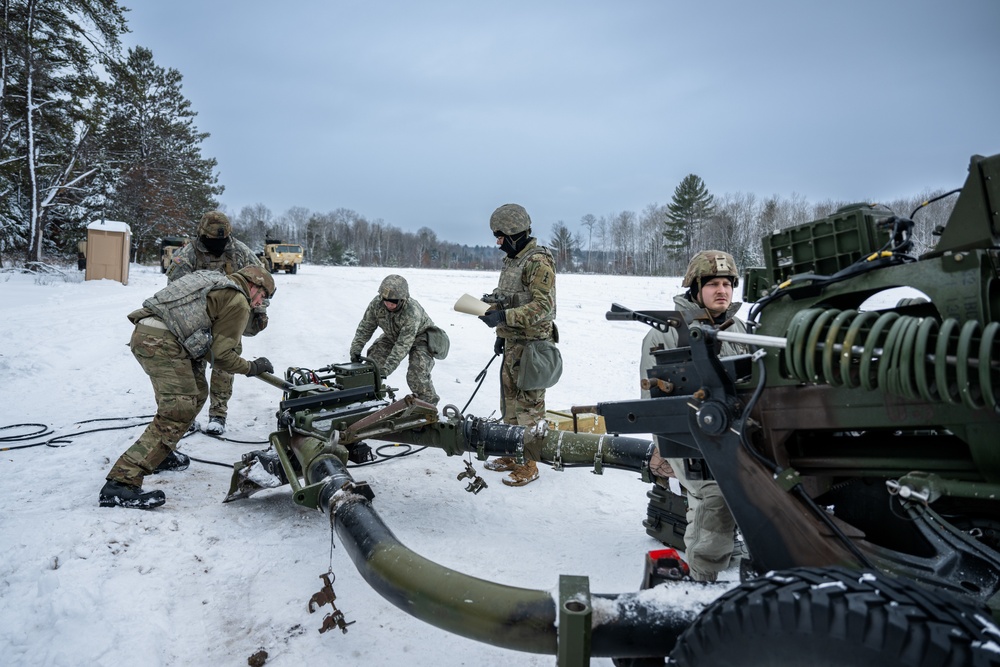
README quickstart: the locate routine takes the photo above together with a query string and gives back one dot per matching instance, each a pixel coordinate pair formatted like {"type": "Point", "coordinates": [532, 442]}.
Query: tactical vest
{"type": "Point", "coordinates": [513, 290]}
{"type": "Point", "coordinates": [183, 307]}
{"type": "Point", "coordinates": [514, 293]}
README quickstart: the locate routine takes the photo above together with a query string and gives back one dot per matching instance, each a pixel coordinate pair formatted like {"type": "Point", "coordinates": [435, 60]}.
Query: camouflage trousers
{"type": "Point", "coordinates": [524, 408]}
{"type": "Point", "coordinates": [180, 390]}
{"type": "Point", "coordinates": [221, 389]}
{"type": "Point", "coordinates": [708, 538]}
{"type": "Point", "coordinates": [418, 371]}
{"type": "Point", "coordinates": [518, 406]}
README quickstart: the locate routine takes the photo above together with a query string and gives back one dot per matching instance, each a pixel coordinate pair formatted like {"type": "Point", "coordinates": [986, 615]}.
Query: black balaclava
{"type": "Point", "coordinates": [215, 246]}
{"type": "Point", "coordinates": [514, 244]}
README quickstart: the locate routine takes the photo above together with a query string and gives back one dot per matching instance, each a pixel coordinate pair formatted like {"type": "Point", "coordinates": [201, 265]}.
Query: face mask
{"type": "Point", "coordinates": [214, 245]}
{"type": "Point", "coordinates": [514, 244]}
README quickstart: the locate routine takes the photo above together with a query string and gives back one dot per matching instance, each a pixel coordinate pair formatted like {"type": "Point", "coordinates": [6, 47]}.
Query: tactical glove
{"type": "Point", "coordinates": [355, 357]}
{"type": "Point", "coordinates": [498, 346]}
{"type": "Point", "coordinates": [260, 365]}
{"type": "Point", "coordinates": [494, 317]}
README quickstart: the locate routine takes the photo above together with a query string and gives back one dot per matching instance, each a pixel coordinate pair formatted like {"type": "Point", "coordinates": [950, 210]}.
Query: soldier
{"type": "Point", "coordinates": [708, 538]}
{"type": "Point", "coordinates": [523, 311]}
{"type": "Point", "coordinates": [200, 315]}
{"type": "Point", "coordinates": [215, 249]}
{"type": "Point", "coordinates": [407, 330]}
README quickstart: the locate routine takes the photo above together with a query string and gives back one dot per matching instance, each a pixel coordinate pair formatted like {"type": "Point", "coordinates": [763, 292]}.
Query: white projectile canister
{"type": "Point", "coordinates": [471, 305]}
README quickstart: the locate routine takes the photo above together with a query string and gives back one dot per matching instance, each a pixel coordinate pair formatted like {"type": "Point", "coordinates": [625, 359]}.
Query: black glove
{"type": "Point", "coordinates": [494, 317]}
{"type": "Point", "coordinates": [355, 357]}
{"type": "Point", "coordinates": [260, 365]}
{"type": "Point", "coordinates": [498, 346]}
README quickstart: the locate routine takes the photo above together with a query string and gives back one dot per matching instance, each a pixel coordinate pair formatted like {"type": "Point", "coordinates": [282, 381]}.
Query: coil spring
{"type": "Point", "coordinates": [916, 357]}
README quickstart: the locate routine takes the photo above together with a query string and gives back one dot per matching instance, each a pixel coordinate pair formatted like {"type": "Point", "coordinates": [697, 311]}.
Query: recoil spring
{"type": "Point", "coordinates": [917, 357]}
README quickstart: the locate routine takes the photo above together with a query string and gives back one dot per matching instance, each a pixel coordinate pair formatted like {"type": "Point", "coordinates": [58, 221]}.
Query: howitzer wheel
{"type": "Point", "coordinates": [836, 617]}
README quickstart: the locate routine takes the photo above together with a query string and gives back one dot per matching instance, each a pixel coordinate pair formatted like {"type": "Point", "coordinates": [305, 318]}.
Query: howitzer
{"type": "Point", "coordinates": [856, 446]}
{"type": "Point", "coordinates": [328, 411]}
{"type": "Point", "coordinates": [854, 435]}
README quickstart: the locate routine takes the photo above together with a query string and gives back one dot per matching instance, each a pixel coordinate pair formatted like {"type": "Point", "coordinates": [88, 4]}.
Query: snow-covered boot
{"type": "Point", "coordinates": [174, 461]}
{"type": "Point", "coordinates": [502, 464]}
{"type": "Point", "coordinates": [116, 494]}
{"type": "Point", "coordinates": [522, 475]}
{"type": "Point", "coordinates": [216, 426]}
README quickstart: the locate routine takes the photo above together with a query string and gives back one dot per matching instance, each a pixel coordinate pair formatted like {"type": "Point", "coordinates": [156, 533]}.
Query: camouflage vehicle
{"type": "Point", "coordinates": [856, 447]}
{"type": "Point", "coordinates": [281, 256]}
{"type": "Point", "coordinates": [168, 246]}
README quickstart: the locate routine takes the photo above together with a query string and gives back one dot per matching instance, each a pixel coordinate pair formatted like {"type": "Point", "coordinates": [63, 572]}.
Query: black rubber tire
{"type": "Point", "coordinates": [836, 617]}
{"type": "Point", "coordinates": [295, 269]}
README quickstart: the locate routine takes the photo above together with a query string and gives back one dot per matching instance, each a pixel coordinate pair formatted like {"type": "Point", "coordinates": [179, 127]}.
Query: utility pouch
{"type": "Point", "coordinates": [541, 365]}
{"type": "Point", "coordinates": [199, 343]}
{"type": "Point", "coordinates": [438, 342]}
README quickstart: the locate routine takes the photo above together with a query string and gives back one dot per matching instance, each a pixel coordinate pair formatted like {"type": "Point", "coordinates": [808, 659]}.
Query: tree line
{"type": "Point", "coordinates": [658, 241]}
{"type": "Point", "coordinates": [89, 133]}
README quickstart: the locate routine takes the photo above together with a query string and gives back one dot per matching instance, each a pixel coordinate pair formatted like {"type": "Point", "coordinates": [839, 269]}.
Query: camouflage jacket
{"type": "Point", "coordinates": [194, 256]}
{"type": "Point", "coordinates": [226, 310]}
{"type": "Point", "coordinates": [402, 326]}
{"type": "Point", "coordinates": [668, 338]}
{"type": "Point", "coordinates": [527, 292]}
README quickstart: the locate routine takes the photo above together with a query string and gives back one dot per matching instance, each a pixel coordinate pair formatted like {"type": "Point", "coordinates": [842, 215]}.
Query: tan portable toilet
{"type": "Point", "coordinates": [109, 245]}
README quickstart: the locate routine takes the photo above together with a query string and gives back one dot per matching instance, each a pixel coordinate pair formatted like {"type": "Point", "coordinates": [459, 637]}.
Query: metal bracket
{"type": "Point", "coordinates": [557, 463]}
{"type": "Point", "coordinates": [335, 619]}
{"type": "Point", "coordinates": [599, 458]}
{"type": "Point", "coordinates": [575, 612]}
{"type": "Point", "coordinates": [476, 483]}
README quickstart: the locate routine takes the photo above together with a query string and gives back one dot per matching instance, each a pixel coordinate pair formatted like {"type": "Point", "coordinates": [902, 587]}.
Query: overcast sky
{"type": "Point", "coordinates": [433, 113]}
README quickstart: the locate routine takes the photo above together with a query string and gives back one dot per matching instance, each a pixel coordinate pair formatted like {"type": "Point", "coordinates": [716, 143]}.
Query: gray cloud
{"type": "Point", "coordinates": [434, 113]}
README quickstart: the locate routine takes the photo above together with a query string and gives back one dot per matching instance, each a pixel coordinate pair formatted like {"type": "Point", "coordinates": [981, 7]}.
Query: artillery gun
{"type": "Point", "coordinates": [857, 448]}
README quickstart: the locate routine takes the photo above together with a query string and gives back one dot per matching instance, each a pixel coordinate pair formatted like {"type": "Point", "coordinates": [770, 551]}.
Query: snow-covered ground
{"type": "Point", "coordinates": [198, 582]}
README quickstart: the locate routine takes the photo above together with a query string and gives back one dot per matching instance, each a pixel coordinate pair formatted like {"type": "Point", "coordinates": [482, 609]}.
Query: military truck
{"type": "Point", "coordinates": [168, 246]}
{"type": "Point", "coordinates": [281, 256]}
{"type": "Point", "coordinates": [857, 448]}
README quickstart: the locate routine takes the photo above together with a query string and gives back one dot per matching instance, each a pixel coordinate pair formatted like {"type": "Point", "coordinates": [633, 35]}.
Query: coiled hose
{"type": "Point", "coordinates": [917, 357]}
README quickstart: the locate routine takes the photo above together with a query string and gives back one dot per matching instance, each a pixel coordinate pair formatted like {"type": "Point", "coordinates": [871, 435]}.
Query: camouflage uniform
{"type": "Point", "coordinates": [527, 292]}
{"type": "Point", "coordinates": [524, 311]}
{"type": "Point", "coordinates": [404, 333]}
{"type": "Point", "coordinates": [194, 256]}
{"type": "Point", "coordinates": [179, 379]}
{"type": "Point", "coordinates": [708, 538]}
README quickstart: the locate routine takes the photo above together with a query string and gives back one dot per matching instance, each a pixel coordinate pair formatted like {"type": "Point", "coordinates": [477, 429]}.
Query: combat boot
{"type": "Point", "coordinates": [502, 464]}
{"type": "Point", "coordinates": [174, 461]}
{"type": "Point", "coordinates": [216, 426]}
{"type": "Point", "coordinates": [116, 494]}
{"type": "Point", "coordinates": [522, 475]}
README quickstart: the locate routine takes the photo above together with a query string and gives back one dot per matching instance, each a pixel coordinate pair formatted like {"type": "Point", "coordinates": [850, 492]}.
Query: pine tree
{"type": "Point", "coordinates": [156, 177]}
{"type": "Point", "coordinates": [564, 245]}
{"type": "Point", "coordinates": [690, 207]}
{"type": "Point", "coordinates": [49, 95]}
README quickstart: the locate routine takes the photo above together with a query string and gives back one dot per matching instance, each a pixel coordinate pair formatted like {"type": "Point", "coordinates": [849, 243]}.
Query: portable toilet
{"type": "Point", "coordinates": [109, 246]}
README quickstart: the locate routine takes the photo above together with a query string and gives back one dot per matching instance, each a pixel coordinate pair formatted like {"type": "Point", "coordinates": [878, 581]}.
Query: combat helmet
{"type": "Point", "coordinates": [510, 219]}
{"type": "Point", "coordinates": [255, 275]}
{"type": "Point", "coordinates": [709, 264]}
{"type": "Point", "coordinates": [394, 288]}
{"type": "Point", "coordinates": [215, 225]}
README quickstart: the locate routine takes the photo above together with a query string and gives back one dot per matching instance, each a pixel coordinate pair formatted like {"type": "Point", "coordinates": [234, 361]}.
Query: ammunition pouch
{"type": "Point", "coordinates": [199, 343]}
{"type": "Point", "coordinates": [540, 367]}
{"type": "Point", "coordinates": [438, 342]}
